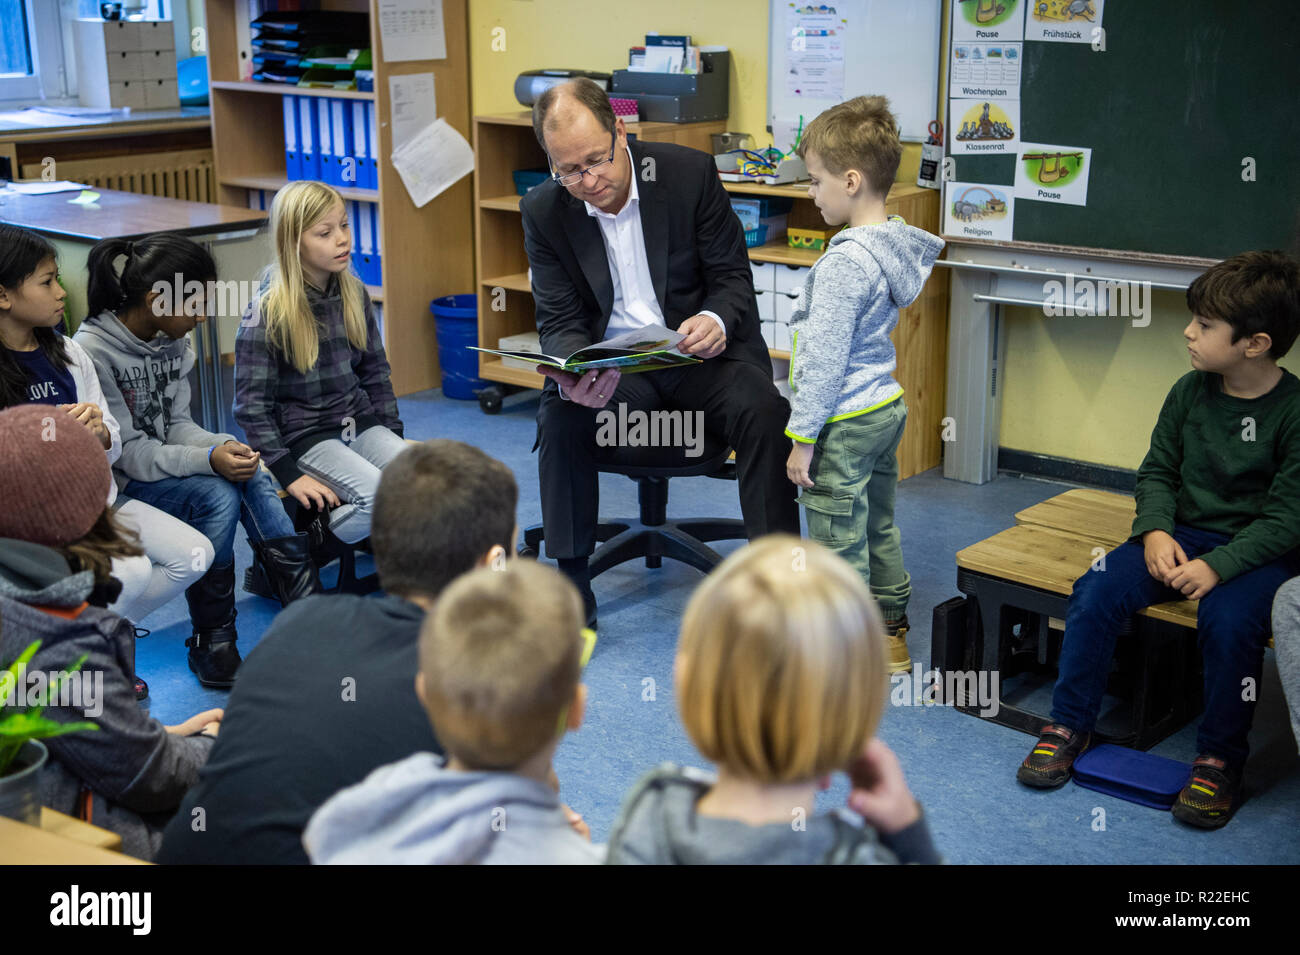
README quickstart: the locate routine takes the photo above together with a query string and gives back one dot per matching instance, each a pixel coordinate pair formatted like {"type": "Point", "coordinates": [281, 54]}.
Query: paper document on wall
{"type": "Point", "coordinates": [412, 30]}
{"type": "Point", "coordinates": [432, 161]}
{"type": "Point", "coordinates": [413, 105]}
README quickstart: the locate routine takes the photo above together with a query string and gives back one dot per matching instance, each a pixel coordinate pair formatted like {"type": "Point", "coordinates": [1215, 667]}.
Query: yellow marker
{"type": "Point", "coordinates": [588, 647]}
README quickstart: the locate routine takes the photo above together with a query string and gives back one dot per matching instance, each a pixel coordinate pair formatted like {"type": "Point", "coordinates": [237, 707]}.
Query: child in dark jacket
{"type": "Point", "coordinates": [136, 333]}
{"type": "Point", "coordinates": [780, 680]}
{"type": "Point", "coordinates": [55, 556]}
{"type": "Point", "coordinates": [311, 379]}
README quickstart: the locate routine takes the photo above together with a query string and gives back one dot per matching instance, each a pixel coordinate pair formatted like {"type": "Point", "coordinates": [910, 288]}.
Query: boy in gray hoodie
{"type": "Point", "coordinates": [500, 659]}
{"type": "Point", "coordinates": [847, 411]}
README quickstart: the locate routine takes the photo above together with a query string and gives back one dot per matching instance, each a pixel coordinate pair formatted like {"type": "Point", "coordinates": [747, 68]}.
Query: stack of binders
{"type": "Point", "coordinates": [285, 39]}
{"type": "Point", "coordinates": [331, 140]}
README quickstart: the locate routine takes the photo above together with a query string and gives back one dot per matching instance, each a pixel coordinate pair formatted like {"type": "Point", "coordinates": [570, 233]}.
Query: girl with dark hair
{"type": "Point", "coordinates": [39, 365]}
{"type": "Point", "coordinates": [145, 297]}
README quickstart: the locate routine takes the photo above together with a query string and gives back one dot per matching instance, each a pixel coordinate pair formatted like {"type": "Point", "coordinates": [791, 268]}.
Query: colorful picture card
{"type": "Point", "coordinates": [1053, 173]}
{"type": "Point", "coordinates": [984, 126]}
{"type": "Point", "coordinates": [997, 21]}
{"type": "Point", "coordinates": [973, 210]}
{"type": "Point", "coordinates": [1063, 21]}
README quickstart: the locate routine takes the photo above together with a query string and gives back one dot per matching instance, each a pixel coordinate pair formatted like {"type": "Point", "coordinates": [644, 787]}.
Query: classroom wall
{"type": "Point", "coordinates": [575, 34]}
{"type": "Point", "coordinates": [1090, 389]}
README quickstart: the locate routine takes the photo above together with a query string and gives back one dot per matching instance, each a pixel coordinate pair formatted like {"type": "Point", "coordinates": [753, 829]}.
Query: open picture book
{"type": "Point", "coordinates": [642, 349]}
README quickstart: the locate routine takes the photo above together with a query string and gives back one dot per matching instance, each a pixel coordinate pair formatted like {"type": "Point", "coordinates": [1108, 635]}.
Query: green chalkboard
{"type": "Point", "coordinates": [1183, 93]}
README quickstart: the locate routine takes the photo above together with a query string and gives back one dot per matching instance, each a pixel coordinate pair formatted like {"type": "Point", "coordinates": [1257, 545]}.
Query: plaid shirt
{"type": "Point", "coordinates": [284, 412]}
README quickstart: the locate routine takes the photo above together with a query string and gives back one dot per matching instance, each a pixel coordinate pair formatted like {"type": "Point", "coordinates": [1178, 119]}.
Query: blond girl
{"type": "Point", "coordinates": [312, 389]}
{"type": "Point", "coordinates": [780, 681]}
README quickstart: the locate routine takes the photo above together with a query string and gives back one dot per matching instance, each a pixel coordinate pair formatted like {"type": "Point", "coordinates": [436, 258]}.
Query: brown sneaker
{"type": "Point", "coordinates": [896, 641]}
{"type": "Point", "coordinates": [1048, 763]}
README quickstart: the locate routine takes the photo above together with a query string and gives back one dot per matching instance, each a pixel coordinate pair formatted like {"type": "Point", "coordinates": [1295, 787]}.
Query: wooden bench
{"type": "Point", "coordinates": [1026, 573]}
{"type": "Point", "coordinates": [1107, 518]}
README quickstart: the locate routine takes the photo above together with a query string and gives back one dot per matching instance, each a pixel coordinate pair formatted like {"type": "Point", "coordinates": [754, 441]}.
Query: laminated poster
{"type": "Point", "coordinates": [974, 210]}
{"type": "Point", "coordinates": [1063, 21]}
{"type": "Point", "coordinates": [984, 126]}
{"type": "Point", "coordinates": [999, 21]}
{"type": "Point", "coordinates": [1053, 173]}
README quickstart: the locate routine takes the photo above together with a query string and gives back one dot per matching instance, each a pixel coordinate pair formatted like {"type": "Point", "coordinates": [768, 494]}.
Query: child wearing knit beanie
{"type": "Point", "coordinates": [57, 541]}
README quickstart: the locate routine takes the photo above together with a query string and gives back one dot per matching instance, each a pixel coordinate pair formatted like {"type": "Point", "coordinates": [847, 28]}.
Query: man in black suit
{"type": "Point", "coordinates": [623, 236]}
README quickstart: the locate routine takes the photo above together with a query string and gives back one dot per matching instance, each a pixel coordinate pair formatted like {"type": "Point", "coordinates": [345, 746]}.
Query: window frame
{"type": "Point", "coordinates": [45, 39]}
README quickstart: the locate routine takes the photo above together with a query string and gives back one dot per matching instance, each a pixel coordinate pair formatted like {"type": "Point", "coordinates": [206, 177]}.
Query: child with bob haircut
{"type": "Point", "coordinates": [137, 335]}
{"type": "Point", "coordinates": [501, 657]}
{"type": "Point", "coordinates": [780, 681]}
{"type": "Point", "coordinates": [847, 411]}
{"type": "Point", "coordinates": [1218, 520]}
{"type": "Point", "coordinates": [311, 379]}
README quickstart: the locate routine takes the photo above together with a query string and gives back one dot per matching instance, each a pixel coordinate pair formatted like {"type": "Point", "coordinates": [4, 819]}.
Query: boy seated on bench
{"type": "Point", "coordinates": [1218, 520]}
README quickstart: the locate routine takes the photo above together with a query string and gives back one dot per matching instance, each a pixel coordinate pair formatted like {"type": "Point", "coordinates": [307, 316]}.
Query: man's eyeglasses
{"type": "Point", "coordinates": [572, 178]}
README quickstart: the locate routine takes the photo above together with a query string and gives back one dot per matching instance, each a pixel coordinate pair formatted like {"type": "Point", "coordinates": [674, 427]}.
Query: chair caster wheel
{"type": "Point", "coordinates": [528, 552]}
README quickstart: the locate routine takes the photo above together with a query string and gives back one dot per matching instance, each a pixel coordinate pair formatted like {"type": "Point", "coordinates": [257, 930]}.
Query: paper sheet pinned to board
{"type": "Point", "coordinates": [412, 30]}
{"type": "Point", "coordinates": [432, 161]}
{"type": "Point", "coordinates": [413, 105]}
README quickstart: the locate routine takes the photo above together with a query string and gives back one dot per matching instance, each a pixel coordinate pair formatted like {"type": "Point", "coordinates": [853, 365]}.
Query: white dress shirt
{"type": "Point", "coordinates": [635, 305]}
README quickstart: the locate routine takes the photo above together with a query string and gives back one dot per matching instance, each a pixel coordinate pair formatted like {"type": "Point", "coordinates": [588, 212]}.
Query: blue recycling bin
{"type": "Point", "coordinates": [456, 319]}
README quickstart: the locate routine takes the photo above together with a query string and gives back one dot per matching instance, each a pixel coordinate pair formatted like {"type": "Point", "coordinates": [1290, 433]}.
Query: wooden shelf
{"type": "Point", "coordinates": [419, 262]}
{"type": "Point", "coordinates": [515, 282]}
{"type": "Point", "coordinates": [779, 355]}
{"type": "Point", "coordinates": [274, 183]}
{"type": "Point", "coordinates": [282, 89]}
{"type": "Point", "coordinates": [508, 203]}
{"type": "Point", "coordinates": [782, 254]}
{"type": "Point", "coordinates": [494, 369]}
{"type": "Point", "coordinates": [790, 191]}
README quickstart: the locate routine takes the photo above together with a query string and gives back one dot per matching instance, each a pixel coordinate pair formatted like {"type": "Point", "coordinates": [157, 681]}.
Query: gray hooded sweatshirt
{"type": "Point", "coordinates": [416, 812]}
{"type": "Point", "coordinates": [842, 360]}
{"type": "Point", "coordinates": [136, 770]}
{"type": "Point", "coordinates": [658, 825]}
{"type": "Point", "coordinates": [147, 385]}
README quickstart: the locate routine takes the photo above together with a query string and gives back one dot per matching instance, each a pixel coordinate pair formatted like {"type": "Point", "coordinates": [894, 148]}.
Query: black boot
{"type": "Point", "coordinates": [283, 569]}
{"type": "Point", "coordinates": [213, 656]}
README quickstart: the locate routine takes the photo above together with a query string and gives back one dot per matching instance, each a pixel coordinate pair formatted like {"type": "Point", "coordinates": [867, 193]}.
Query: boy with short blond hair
{"type": "Point", "coordinates": [500, 660]}
{"type": "Point", "coordinates": [1218, 520]}
{"type": "Point", "coordinates": [847, 412]}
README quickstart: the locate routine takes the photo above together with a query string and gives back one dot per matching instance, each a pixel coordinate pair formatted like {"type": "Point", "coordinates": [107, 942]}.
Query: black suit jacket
{"type": "Point", "coordinates": [693, 240]}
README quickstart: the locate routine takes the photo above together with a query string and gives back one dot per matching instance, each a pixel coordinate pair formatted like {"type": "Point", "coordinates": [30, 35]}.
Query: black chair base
{"type": "Point", "coordinates": [651, 535]}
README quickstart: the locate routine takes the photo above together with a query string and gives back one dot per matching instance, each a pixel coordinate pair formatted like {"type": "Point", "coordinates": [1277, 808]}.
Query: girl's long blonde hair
{"type": "Point", "coordinates": [290, 324]}
{"type": "Point", "coordinates": [781, 673]}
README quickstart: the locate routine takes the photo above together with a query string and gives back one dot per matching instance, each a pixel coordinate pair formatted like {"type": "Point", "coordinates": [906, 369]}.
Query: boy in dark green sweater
{"type": "Point", "coordinates": [1218, 520]}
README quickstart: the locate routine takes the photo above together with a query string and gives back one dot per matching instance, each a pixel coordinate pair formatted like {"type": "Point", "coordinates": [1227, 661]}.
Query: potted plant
{"type": "Point", "coordinates": [21, 753]}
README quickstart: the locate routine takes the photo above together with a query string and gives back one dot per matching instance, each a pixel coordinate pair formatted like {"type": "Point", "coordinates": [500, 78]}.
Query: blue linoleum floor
{"type": "Point", "coordinates": [962, 769]}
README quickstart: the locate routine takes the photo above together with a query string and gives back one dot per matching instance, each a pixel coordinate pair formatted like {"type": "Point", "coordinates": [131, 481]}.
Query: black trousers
{"type": "Point", "coordinates": [740, 406]}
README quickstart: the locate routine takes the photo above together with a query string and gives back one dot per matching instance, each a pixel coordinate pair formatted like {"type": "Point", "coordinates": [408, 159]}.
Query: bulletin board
{"type": "Point", "coordinates": [874, 47]}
